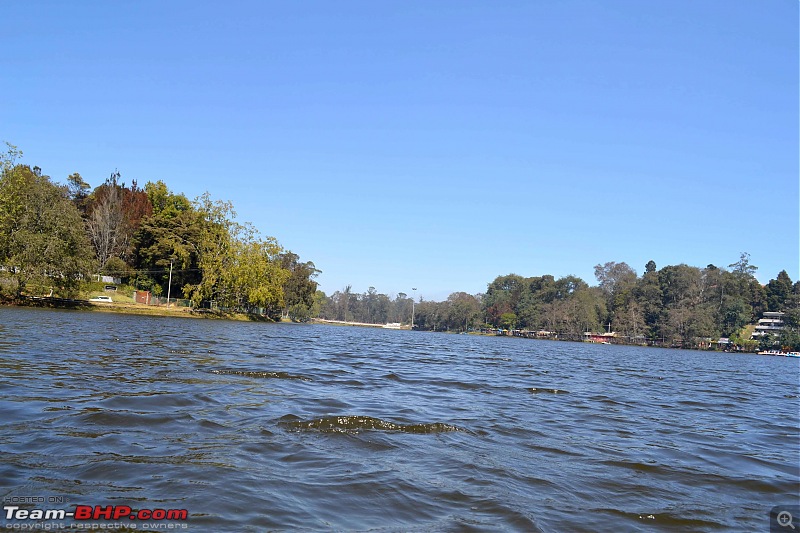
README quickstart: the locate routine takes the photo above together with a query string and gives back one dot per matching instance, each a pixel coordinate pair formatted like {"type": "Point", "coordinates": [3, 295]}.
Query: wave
{"type": "Point", "coordinates": [356, 423]}
{"type": "Point", "coordinates": [260, 374]}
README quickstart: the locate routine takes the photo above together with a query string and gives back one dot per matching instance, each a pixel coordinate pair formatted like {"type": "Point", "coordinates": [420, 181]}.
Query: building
{"type": "Point", "coordinates": [599, 338]}
{"type": "Point", "coordinates": [770, 324]}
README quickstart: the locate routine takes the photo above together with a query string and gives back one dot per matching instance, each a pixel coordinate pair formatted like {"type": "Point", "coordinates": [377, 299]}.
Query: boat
{"type": "Point", "coordinates": [779, 352]}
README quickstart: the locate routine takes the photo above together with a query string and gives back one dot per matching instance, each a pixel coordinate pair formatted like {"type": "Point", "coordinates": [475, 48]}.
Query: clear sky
{"type": "Point", "coordinates": [432, 144]}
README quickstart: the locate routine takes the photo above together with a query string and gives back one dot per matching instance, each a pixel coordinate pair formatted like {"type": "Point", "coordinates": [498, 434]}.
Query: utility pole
{"type": "Point", "coordinates": [169, 286]}
{"type": "Point", "coordinates": [412, 308]}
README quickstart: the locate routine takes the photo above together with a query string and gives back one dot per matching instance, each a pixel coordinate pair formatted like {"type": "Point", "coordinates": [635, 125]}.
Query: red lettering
{"type": "Point", "coordinates": [143, 514]}
{"type": "Point", "coordinates": [103, 512]}
{"type": "Point", "coordinates": [178, 514]}
{"type": "Point", "coordinates": [159, 514]}
{"type": "Point", "coordinates": [83, 512]}
{"type": "Point", "coordinates": [121, 511]}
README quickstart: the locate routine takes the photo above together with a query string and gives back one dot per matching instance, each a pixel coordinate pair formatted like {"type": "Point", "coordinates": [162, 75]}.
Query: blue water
{"type": "Point", "coordinates": [255, 427]}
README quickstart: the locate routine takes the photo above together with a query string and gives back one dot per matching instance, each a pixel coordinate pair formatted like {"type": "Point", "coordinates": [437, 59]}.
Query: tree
{"type": "Point", "coordinates": [778, 291]}
{"type": "Point", "coordinates": [42, 241]}
{"type": "Point", "coordinates": [508, 320]}
{"type": "Point", "coordinates": [503, 296]}
{"type": "Point", "coordinates": [213, 248]}
{"type": "Point", "coordinates": [115, 213]}
{"type": "Point", "coordinates": [9, 158]}
{"type": "Point", "coordinates": [649, 297]}
{"type": "Point", "coordinates": [734, 313]}
{"type": "Point", "coordinates": [743, 266]}
{"type": "Point", "coordinates": [78, 189]}
{"type": "Point", "coordinates": [618, 281]}
{"type": "Point", "coordinates": [105, 220]}
{"type": "Point", "coordinates": [300, 286]}
{"type": "Point", "coordinates": [463, 311]}
{"type": "Point", "coordinates": [630, 321]}
{"type": "Point", "coordinates": [588, 309]}
{"type": "Point", "coordinates": [614, 276]}
{"type": "Point", "coordinates": [164, 237]}
{"type": "Point", "coordinates": [164, 201]}
{"type": "Point", "coordinates": [253, 278]}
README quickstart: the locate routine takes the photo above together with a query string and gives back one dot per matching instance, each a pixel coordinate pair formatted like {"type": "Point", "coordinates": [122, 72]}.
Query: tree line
{"type": "Point", "coordinates": [677, 305]}
{"type": "Point", "coordinates": [55, 237]}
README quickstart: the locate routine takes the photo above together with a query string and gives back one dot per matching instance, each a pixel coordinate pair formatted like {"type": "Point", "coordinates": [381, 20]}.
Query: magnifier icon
{"type": "Point", "coordinates": [785, 519]}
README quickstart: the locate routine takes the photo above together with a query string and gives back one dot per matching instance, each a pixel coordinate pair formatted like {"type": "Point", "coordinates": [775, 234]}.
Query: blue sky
{"type": "Point", "coordinates": [433, 144]}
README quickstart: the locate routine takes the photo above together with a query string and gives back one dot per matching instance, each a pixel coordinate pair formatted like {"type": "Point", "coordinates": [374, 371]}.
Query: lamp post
{"type": "Point", "coordinates": [412, 308]}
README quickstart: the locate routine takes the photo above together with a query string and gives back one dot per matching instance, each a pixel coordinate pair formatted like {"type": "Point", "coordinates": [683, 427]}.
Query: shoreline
{"type": "Point", "coordinates": [354, 324]}
{"type": "Point", "coordinates": [135, 309]}
{"type": "Point", "coordinates": [125, 308]}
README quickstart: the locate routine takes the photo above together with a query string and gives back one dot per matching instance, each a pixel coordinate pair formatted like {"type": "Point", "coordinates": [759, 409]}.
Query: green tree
{"type": "Point", "coordinates": [508, 320]}
{"type": "Point", "coordinates": [300, 286]}
{"type": "Point", "coordinates": [164, 201]}
{"type": "Point", "coordinates": [9, 157]}
{"type": "Point", "coordinates": [649, 297]}
{"type": "Point", "coordinates": [463, 311]}
{"type": "Point", "coordinates": [743, 266]}
{"type": "Point", "coordinates": [42, 241]}
{"type": "Point", "coordinates": [778, 291]}
{"type": "Point", "coordinates": [503, 295]}
{"type": "Point", "coordinates": [214, 249]}
{"type": "Point", "coordinates": [252, 278]}
{"type": "Point", "coordinates": [166, 237]}
{"type": "Point", "coordinates": [78, 191]}
{"type": "Point", "coordinates": [734, 313]}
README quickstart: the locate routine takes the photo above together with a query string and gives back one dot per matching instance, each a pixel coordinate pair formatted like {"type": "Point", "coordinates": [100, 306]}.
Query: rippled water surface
{"type": "Point", "coordinates": [255, 427]}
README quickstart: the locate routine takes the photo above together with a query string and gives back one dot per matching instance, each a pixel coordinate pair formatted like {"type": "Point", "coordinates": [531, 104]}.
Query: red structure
{"type": "Point", "coordinates": [141, 297]}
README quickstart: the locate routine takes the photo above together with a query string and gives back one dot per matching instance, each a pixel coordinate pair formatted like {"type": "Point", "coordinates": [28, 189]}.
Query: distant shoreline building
{"type": "Point", "coordinates": [771, 324]}
{"type": "Point", "coordinates": [599, 338]}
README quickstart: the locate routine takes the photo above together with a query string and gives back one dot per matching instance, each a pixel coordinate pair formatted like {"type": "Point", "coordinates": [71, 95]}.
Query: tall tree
{"type": "Point", "coordinates": [214, 248]}
{"type": "Point", "coordinates": [78, 191]}
{"type": "Point", "coordinates": [300, 286]}
{"type": "Point", "coordinates": [42, 241]}
{"type": "Point", "coordinates": [743, 266]}
{"type": "Point", "coordinates": [106, 221]}
{"type": "Point", "coordinates": [9, 157]}
{"type": "Point", "coordinates": [115, 213]}
{"type": "Point", "coordinates": [778, 291]}
{"type": "Point", "coordinates": [253, 278]}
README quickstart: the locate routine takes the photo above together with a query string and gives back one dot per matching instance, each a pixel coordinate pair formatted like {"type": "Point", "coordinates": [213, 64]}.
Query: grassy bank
{"type": "Point", "coordinates": [130, 308]}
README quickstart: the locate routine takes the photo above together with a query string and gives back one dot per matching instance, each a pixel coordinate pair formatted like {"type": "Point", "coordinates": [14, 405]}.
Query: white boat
{"type": "Point", "coordinates": [778, 352]}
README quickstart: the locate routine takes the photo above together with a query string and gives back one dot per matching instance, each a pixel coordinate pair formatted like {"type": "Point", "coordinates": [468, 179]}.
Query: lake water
{"type": "Point", "coordinates": [255, 427]}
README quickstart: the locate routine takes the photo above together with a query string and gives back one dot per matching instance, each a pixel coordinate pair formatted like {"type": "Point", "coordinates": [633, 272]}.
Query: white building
{"type": "Point", "coordinates": [772, 323]}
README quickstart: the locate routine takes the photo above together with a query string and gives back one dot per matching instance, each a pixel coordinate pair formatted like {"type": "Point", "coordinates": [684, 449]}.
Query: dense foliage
{"type": "Point", "coordinates": [53, 237]}
{"type": "Point", "coordinates": [678, 305]}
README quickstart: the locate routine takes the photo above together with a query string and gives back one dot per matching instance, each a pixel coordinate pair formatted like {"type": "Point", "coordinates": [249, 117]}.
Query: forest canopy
{"type": "Point", "coordinates": [677, 305]}
{"type": "Point", "coordinates": [53, 237]}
